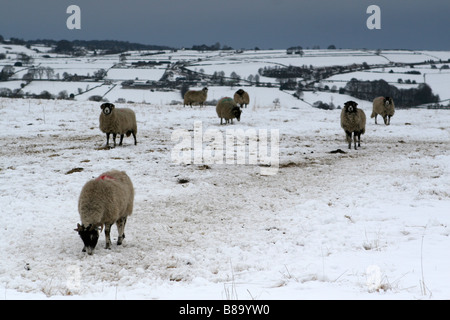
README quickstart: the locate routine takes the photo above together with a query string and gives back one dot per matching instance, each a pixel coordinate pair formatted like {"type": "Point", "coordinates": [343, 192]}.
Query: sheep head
{"type": "Point", "coordinates": [237, 113]}
{"type": "Point", "coordinates": [387, 101]}
{"type": "Point", "coordinates": [205, 89]}
{"type": "Point", "coordinates": [89, 235]}
{"type": "Point", "coordinates": [350, 106]}
{"type": "Point", "coordinates": [107, 108]}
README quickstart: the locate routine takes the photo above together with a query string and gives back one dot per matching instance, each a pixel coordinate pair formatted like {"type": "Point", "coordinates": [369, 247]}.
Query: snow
{"type": "Point", "coordinates": [440, 82]}
{"type": "Point", "coordinates": [372, 223]}
{"type": "Point", "coordinates": [244, 64]}
{"type": "Point", "coordinates": [55, 87]}
{"type": "Point", "coordinates": [437, 79]}
{"type": "Point", "coordinates": [152, 74]}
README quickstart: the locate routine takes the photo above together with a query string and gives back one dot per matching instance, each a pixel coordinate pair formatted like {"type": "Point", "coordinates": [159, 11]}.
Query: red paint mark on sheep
{"type": "Point", "coordinates": [105, 177]}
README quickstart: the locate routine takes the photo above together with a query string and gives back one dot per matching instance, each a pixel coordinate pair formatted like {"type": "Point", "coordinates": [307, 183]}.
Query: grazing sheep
{"type": "Point", "coordinates": [117, 121]}
{"type": "Point", "coordinates": [385, 107]}
{"type": "Point", "coordinates": [105, 200]}
{"type": "Point", "coordinates": [193, 96]}
{"type": "Point", "coordinates": [241, 97]}
{"type": "Point", "coordinates": [227, 109]}
{"type": "Point", "coordinates": [353, 120]}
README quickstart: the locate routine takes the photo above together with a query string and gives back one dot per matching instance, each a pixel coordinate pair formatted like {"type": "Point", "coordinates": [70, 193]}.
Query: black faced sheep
{"type": "Point", "coordinates": [353, 121]}
{"type": "Point", "coordinates": [385, 107]}
{"type": "Point", "coordinates": [193, 96]}
{"type": "Point", "coordinates": [117, 121]}
{"type": "Point", "coordinates": [227, 109]}
{"type": "Point", "coordinates": [104, 201]}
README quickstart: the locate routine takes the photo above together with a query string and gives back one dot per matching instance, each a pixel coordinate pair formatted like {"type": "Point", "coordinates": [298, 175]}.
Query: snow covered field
{"type": "Point", "coordinates": [367, 224]}
{"type": "Point", "coordinates": [244, 64]}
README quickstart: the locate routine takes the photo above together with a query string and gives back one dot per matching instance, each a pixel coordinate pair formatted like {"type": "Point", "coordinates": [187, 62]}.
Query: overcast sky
{"type": "Point", "coordinates": [405, 24]}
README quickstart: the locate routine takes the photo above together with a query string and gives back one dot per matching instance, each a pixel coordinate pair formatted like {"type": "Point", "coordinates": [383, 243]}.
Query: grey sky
{"type": "Point", "coordinates": [405, 24]}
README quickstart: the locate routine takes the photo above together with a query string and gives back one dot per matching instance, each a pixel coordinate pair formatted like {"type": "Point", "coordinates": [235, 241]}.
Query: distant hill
{"type": "Point", "coordinates": [111, 46]}
{"type": "Point", "coordinates": [107, 46]}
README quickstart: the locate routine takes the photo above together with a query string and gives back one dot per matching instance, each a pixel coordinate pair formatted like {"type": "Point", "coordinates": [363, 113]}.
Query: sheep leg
{"type": "Point", "coordinates": [357, 135]}
{"type": "Point", "coordinates": [376, 115]}
{"type": "Point", "coordinates": [385, 120]}
{"type": "Point", "coordinates": [134, 136]}
{"type": "Point", "coordinates": [121, 227]}
{"type": "Point", "coordinates": [121, 139]}
{"type": "Point", "coordinates": [349, 138]}
{"type": "Point", "coordinates": [108, 236]}
{"type": "Point", "coordinates": [114, 139]}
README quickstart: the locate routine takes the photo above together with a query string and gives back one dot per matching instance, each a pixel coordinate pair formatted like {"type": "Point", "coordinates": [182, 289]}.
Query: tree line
{"type": "Point", "coordinates": [368, 90]}
{"type": "Point", "coordinates": [73, 47]}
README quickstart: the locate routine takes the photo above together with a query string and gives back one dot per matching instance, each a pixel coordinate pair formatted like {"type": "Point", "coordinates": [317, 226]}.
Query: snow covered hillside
{"type": "Point", "coordinates": [31, 71]}
{"type": "Point", "coordinates": [297, 219]}
{"type": "Point", "coordinates": [371, 223]}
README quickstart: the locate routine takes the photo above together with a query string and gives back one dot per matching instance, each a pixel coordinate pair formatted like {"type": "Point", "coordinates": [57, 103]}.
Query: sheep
{"type": "Point", "coordinates": [353, 120]}
{"type": "Point", "coordinates": [227, 109]}
{"type": "Point", "coordinates": [241, 97]}
{"type": "Point", "coordinates": [385, 107]}
{"type": "Point", "coordinates": [105, 200]}
{"type": "Point", "coordinates": [117, 121]}
{"type": "Point", "coordinates": [193, 96]}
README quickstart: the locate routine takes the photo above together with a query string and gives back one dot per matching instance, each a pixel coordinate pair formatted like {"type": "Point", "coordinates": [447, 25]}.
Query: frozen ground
{"type": "Point", "coordinates": [367, 224]}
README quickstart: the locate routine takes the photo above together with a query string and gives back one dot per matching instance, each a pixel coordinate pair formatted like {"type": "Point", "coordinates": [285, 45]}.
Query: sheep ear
{"type": "Point", "coordinates": [79, 228]}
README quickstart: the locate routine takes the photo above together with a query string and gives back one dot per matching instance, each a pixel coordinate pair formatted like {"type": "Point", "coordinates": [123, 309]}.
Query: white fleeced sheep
{"type": "Point", "coordinates": [117, 121]}
{"type": "Point", "coordinates": [353, 121]}
{"type": "Point", "coordinates": [242, 98]}
{"type": "Point", "coordinates": [227, 109]}
{"type": "Point", "coordinates": [193, 96]}
{"type": "Point", "coordinates": [385, 107]}
{"type": "Point", "coordinates": [104, 201]}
